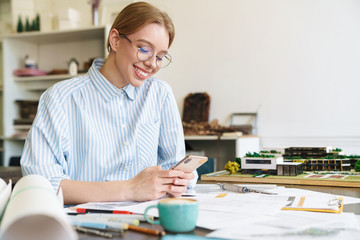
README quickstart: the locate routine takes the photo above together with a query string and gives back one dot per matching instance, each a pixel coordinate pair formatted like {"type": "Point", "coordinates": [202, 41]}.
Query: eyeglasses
{"type": "Point", "coordinates": [144, 53]}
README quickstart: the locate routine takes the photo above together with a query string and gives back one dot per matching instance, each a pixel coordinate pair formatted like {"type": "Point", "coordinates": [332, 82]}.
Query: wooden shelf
{"type": "Point", "coordinates": [199, 137]}
{"type": "Point", "coordinates": [13, 138]}
{"type": "Point", "coordinates": [41, 83]}
{"type": "Point", "coordinates": [215, 137]}
{"type": "Point", "coordinates": [56, 77]}
{"type": "Point", "coordinates": [59, 35]}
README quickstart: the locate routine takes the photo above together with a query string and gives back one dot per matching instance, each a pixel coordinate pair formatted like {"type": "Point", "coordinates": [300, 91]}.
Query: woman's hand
{"type": "Point", "coordinates": [184, 181]}
{"type": "Point", "coordinates": [154, 182]}
{"type": "Point", "coordinates": [150, 184]}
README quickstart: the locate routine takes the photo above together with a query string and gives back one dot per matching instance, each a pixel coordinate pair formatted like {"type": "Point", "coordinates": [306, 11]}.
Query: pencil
{"type": "Point", "coordinates": [146, 230]}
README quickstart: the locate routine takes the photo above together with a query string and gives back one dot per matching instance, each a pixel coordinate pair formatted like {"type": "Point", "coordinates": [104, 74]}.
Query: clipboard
{"type": "Point", "coordinates": [315, 204]}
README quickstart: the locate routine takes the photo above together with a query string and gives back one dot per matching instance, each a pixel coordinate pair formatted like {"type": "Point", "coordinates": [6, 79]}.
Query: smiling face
{"type": "Point", "coordinates": [128, 68]}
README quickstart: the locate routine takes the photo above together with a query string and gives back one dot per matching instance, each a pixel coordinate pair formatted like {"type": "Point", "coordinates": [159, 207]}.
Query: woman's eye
{"type": "Point", "coordinates": [144, 50]}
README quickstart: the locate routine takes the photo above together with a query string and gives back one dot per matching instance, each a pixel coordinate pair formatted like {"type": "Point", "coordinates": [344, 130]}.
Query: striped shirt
{"type": "Point", "coordinates": [86, 129]}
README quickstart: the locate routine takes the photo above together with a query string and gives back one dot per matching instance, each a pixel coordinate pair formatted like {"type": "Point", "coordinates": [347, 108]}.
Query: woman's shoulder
{"type": "Point", "coordinates": [66, 88]}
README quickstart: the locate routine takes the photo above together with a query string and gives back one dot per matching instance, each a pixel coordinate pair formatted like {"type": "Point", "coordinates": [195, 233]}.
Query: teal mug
{"type": "Point", "coordinates": [176, 214]}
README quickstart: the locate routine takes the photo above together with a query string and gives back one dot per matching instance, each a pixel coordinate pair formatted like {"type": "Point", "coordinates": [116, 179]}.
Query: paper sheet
{"type": "Point", "coordinates": [136, 207]}
{"type": "Point", "coordinates": [303, 192]}
{"type": "Point", "coordinates": [5, 192]}
{"type": "Point", "coordinates": [296, 225]}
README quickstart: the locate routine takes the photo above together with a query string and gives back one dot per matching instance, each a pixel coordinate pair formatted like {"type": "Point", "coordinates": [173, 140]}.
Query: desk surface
{"type": "Point", "coordinates": [351, 192]}
{"type": "Point", "coordinates": [140, 236]}
{"type": "Point", "coordinates": [14, 173]}
{"type": "Point", "coordinates": [215, 137]}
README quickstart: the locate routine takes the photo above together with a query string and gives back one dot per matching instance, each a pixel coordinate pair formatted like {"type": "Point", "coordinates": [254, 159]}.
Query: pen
{"type": "Point", "coordinates": [90, 218]}
{"type": "Point", "coordinates": [87, 210]}
{"type": "Point", "coordinates": [102, 226]}
{"type": "Point", "coordinates": [239, 189]}
{"type": "Point", "coordinates": [146, 230]}
{"type": "Point", "coordinates": [119, 217]}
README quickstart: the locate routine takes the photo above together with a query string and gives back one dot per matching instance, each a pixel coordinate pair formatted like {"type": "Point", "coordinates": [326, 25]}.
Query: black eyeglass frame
{"type": "Point", "coordinates": [167, 56]}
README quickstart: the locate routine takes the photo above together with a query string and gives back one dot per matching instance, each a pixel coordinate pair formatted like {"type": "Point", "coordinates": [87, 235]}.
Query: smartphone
{"type": "Point", "coordinates": [190, 163]}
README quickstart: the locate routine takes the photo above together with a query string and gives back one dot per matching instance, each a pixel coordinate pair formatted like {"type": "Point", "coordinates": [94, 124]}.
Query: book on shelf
{"type": "Point", "coordinates": [23, 121]}
{"type": "Point", "coordinates": [32, 210]}
{"type": "Point", "coordinates": [22, 127]}
{"type": "Point", "coordinates": [19, 135]}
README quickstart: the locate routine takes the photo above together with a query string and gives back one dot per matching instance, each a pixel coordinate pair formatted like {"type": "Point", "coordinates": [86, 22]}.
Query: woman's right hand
{"type": "Point", "coordinates": [153, 183]}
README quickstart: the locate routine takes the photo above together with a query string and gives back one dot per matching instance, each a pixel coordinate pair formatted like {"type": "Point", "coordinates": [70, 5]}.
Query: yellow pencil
{"type": "Point", "coordinates": [146, 230]}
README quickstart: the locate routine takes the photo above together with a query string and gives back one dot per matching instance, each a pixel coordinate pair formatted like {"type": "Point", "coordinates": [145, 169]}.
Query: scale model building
{"type": "Point", "coordinates": [295, 160]}
{"type": "Point", "coordinates": [318, 158]}
{"type": "Point", "coordinates": [306, 152]}
{"type": "Point", "coordinates": [270, 164]}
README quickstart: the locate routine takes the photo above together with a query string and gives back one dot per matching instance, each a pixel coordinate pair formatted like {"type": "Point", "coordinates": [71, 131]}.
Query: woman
{"type": "Point", "coordinates": [111, 134]}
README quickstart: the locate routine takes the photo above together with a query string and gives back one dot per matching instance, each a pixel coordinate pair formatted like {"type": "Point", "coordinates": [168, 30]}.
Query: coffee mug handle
{"type": "Point", "coordinates": [147, 217]}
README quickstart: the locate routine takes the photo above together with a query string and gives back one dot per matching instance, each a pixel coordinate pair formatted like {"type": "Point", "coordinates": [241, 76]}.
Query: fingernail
{"type": "Point", "coordinates": [176, 181]}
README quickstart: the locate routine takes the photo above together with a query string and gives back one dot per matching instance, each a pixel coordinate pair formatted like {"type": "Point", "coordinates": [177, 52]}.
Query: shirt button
{"type": "Point", "coordinates": [123, 125]}
{"type": "Point", "coordinates": [126, 143]}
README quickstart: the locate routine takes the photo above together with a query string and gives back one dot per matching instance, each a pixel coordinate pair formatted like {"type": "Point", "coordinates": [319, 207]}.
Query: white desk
{"type": "Point", "coordinates": [224, 148]}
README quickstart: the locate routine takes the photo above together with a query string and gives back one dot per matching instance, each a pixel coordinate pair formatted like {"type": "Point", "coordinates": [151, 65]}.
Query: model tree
{"type": "Point", "coordinates": [232, 167]}
{"type": "Point", "coordinates": [357, 166]}
{"type": "Point", "coordinates": [20, 26]}
{"type": "Point", "coordinates": [27, 25]}
{"type": "Point", "coordinates": [37, 23]}
{"type": "Point", "coordinates": [238, 160]}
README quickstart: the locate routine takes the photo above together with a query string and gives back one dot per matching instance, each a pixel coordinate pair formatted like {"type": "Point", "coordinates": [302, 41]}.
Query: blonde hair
{"type": "Point", "coordinates": [136, 15]}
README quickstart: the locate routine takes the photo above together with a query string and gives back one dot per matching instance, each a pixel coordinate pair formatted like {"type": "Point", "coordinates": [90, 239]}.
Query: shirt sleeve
{"type": "Point", "coordinates": [44, 152]}
{"type": "Point", "coordinates": [171, 139]}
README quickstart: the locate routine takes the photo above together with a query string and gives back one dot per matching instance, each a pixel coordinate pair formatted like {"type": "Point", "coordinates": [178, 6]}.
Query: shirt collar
{"type": "Point", "coordinates": [130, 91]}
{"type": "Point", "coordinates": [106, 89]}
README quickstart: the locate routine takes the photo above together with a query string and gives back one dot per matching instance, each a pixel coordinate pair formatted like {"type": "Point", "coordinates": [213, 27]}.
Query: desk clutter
{"type": "Point", "coordinates": [33, 210]}
{"type": "Point", "coordinates": [265, 212]}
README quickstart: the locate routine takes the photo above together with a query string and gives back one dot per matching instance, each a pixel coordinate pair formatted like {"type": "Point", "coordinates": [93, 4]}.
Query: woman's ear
{"type": "Point", "coordinates": [113, 39]}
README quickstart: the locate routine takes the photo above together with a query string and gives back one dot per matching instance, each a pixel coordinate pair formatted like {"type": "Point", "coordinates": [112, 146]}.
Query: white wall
{"type": "Point", "coordinates": [51, 12]}
{"type": "Point", "coordinates": [295, 61]}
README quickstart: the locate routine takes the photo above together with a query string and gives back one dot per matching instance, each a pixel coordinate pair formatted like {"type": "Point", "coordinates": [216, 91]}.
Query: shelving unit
{"type": "Point", "coordinates": [1, 98]}
{"type": "Point", "coordinates": [51, 50]}
{"type": "Point", "coordinates": [224, 149]}
{"type": "Point", "coordinates": [1, 89]}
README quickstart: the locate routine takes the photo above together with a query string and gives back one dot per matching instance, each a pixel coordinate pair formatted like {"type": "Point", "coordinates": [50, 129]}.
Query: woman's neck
{"type": "Point", "coordinates": [110, 71]}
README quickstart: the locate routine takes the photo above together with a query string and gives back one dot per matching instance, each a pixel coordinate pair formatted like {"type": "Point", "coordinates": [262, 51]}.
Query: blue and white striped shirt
{"type": "Point", "coordinates": [86, 129]}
